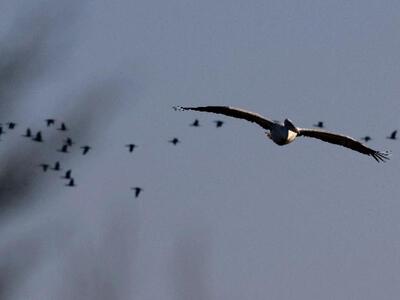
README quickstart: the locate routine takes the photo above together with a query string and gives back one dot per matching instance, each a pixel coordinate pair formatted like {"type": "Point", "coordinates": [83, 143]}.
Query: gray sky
{"type": "Point", "coordinates": [226, 214]}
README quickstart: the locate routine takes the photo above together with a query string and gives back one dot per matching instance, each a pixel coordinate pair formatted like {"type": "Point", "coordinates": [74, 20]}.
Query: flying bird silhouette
{"type": "Point", "coordinates": [137, 190]}
{"type": "Point", "coordinates": [38, 137]}
{"type": "Point", "coordinates": [11, 125]}
{"type": "Point", "coordinates": [64, 149]}
{"type": "Point", "coordinates": [44, 167]}
{"type": "Point", "coordinates": [67, 175]}
{"type": "Point", "coordinates": [366, 138]}
{"type": "Point", "coordinates": [131, 147]}
{"type": "Point", "coordinates": [174, 141]}
{"type": "Point", "coordinates": [63, 127]}
{"type": "Point", "coordinates": [57, 166]}
{"type": "Point", "coordinates": [28, 133]}
{"type": "Point", "coordinates": [320, 124]}
{"type": "Point", "coordinates": [393, 135]}
{"type": "Point", "coordinates": [85, 149]}
{"type": "Point", "coordinates": [195, 123]}
{"type": "Point", "coordinates": [69, 141]}
{"type": "Point", "coordinates": [50, 122]}
{"type": "Point", "coordinates": [71, 182]}
{"type": "Point", "coordinates": [218, 123]}
{"type": "Point", "coordinates": [282, 134]}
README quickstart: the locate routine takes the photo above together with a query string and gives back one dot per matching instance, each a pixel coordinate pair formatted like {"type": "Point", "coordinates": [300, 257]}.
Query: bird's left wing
{"type": "Point", "coordinates": [344, 141]}
{"type": "Point", "coordinates": [233, 112]}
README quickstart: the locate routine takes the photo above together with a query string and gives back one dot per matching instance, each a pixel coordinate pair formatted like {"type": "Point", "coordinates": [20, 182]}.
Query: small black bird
{"type": "Point", "coordinates": [28, 133]}
{"type": "Point", "coordinates": [71, 182]}
{"type": "Point", "coordinates": [67, 175]}
{"type": "Point", "coordinates": [63, 127]}
{"type": "Point", "coordinates": [38, 137]}
{"type": "Point", "coordinates": [393, 135]}
{"type": "Point", "coordinates": [131, 147]}
{"type": "Point", "coordinates": [64, 149]}
{"type": "Point", "coordinates": [320, 124]}
{"type": "Point", "coordinates": [69, 141]}
{"type": "Point", "coordinates": [11, 125]}
{"type": "Point", "coordinates": [137, 190]}
{"type": "Point", "coordinates": [56, 166]}
{"type": "Point", "coordinates": [218, 123]}
{"type": "Point", "coordinates": [85, 149]}
{"type": "Point", "coordinates": [44, 167]}
{"type": "Point", "coordinates": [195, 123]}
{"type": "Point", "coordinates": [50, 122]}
{"type": "Point", "coordinates": [366, 138]}
{"type": "Point", "coordinates": [174, 141]}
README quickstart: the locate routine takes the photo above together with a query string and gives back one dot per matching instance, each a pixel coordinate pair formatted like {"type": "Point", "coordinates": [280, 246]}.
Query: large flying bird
{"type": "Point", "coordinates": [282, 134]}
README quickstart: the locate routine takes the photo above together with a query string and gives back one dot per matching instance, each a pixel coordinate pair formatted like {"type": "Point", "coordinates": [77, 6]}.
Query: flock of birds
{"type": "Point", "coordinates": [68, 143]}
{"type": "Point", "coordinates": [38, 137]}
{"type": "Point", "coordinates": [280, 133]}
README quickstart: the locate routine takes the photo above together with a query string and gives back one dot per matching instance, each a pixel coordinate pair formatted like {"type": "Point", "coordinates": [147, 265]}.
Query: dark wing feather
{"type": "Point", "coordinates": [233, 112]}
{"type": "Point", "coordinates": [344, 141]}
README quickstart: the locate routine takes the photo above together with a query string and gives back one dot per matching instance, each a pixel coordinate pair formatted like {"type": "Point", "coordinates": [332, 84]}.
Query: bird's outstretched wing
{"type": "Point", "coordinates": [233, 112]}
{"type": "Point", "coordinates": [344, 141]}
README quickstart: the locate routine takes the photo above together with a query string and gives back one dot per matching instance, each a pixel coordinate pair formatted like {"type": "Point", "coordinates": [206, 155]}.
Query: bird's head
{"type": "Point", "coordinates": [289, 125]}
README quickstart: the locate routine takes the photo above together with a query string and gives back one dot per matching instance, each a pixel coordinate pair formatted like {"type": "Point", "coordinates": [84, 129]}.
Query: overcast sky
{"type": "Point", "coordinates": [225, 214]}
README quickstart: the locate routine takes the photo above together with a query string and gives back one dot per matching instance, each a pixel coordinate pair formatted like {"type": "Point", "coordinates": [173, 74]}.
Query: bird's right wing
{"type": "Point", "coordinates": [344, 141]}
{"type": "Point", "coordinates": [233, 112]}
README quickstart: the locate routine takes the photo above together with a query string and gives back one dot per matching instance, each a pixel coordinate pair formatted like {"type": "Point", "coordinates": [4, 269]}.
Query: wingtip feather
{"type": "Point", "coordinates": [381, 156]}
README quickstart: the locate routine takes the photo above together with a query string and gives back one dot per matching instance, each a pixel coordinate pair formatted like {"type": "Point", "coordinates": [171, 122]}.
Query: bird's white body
{"type": "Point", "coordinates": [281, 135]}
